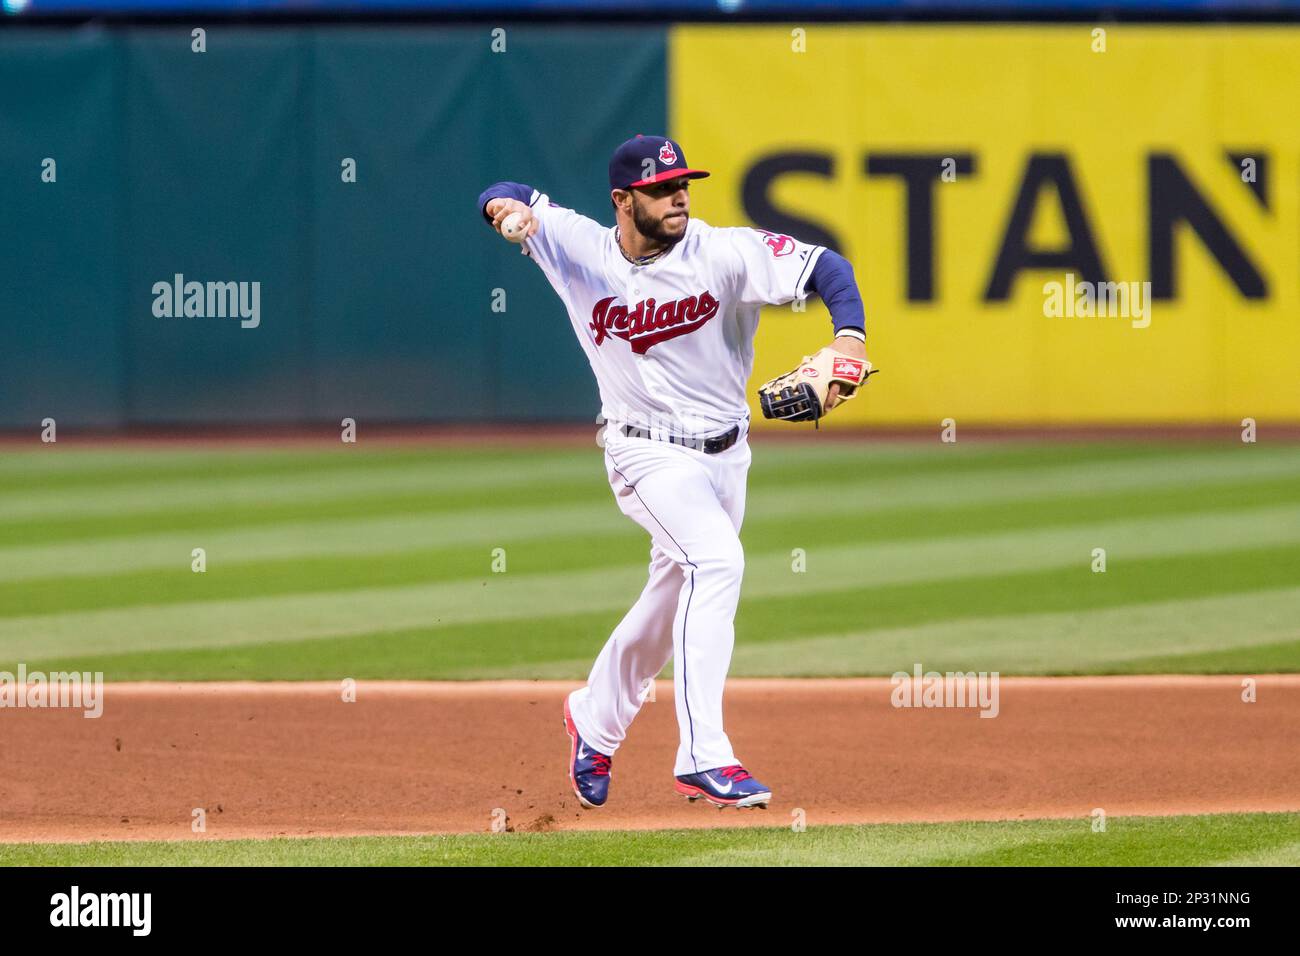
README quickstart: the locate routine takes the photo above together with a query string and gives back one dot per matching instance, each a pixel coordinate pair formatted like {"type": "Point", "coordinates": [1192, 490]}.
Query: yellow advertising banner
{"type": "Point", "coordinates": [1064, 223]}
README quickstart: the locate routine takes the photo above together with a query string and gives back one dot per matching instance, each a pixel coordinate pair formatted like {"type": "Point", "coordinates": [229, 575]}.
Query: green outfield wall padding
{"type": "Point", "coordinates": [374, 297]}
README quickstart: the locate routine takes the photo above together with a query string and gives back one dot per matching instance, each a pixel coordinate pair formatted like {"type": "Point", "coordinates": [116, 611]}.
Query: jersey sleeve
{"type": "Point", "coordinates": [503, 190]}
{"type": "Point", "coordinates": [564, 238]}
{"type": "Point", "coordinates": [767, 268]}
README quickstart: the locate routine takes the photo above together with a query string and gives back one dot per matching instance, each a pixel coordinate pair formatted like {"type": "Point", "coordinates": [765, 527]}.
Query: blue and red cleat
{"type": "Point", "coordinates": [732, 786]}
{"type": "Point", "coordinates": [588, 769]}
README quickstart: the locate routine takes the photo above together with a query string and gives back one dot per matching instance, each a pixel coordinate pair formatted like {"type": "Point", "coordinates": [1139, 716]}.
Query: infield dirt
{"type": "Point", "coordinates": [268, 759]}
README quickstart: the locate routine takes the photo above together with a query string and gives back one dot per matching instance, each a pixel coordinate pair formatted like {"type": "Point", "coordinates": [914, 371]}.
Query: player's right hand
{"type": "Point", "coordinates": [499, 208]}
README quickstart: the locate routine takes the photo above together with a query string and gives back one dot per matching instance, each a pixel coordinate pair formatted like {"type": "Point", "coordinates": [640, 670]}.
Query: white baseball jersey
{"type": "Point", "coordinates": [671, 342]}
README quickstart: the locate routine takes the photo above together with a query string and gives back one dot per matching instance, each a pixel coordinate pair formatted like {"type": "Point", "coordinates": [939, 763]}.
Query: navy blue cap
{"type": "Point", "coordinates": [628, 165]}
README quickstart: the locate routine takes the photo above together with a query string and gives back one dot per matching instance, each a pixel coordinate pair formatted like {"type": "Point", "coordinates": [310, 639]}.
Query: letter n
{"type": "Point", "coordinates": [1173, 200]}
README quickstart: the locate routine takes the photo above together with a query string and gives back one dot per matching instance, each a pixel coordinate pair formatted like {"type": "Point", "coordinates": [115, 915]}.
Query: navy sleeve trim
{"type": "Point", "coordinates": [504, 190]}
{"type": "Point", "coordinates": [832, 279]}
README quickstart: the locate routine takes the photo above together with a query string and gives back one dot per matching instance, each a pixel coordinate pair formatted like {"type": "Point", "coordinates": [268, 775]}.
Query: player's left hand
{"type": "Point", "coordinates": [845, 345]}
{"type": "Point", "coordinates": [818, 383]}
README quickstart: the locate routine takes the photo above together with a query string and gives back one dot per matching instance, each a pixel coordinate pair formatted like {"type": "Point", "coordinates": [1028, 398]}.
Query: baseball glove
{"type": "Point", "coordinates": [800, 394]}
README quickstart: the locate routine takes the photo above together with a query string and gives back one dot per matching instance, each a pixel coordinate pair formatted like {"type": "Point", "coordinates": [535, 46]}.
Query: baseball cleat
{"type": "Point", "coordinates": [588, 769]}
{"type": "Point", "coordinates": [732, 786]}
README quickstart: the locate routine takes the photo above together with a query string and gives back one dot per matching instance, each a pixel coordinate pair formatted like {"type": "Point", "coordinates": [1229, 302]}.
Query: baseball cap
{"type": "Point", "coordinates": [628, 165]}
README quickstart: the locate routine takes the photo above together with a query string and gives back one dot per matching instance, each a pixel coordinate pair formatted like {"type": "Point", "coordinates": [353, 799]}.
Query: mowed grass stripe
{"type": "Point", "coordinates": [832, 634]}
{"type": "Point", "coordinates": [830, 567]}
{"type": "Point", "coordinates": [431, 477]}
{"type": "Point", "coordinates": [461, 483]}
{"type": "Point", "coordinates": [477, 649]}
{"type": "Point", "coordinates": [265, 515]}
{"type": "Point", "coordinates": [496, 520]}
{"type": "Point", "coordinates": [63, 466]}
{"type": "Point", "coordinates": [1129, 581]}
{"type": "Point", "coordinates": [1046, 473]}
{"type": "Point", "coordinates": [1066, 642]}
{"type": "Point", "coordinates": [339, 535]}
{"type": "Point", "coordinates": [1269, 658]}
{"type": "Point", "coordinates": [506, 597]}
{"type": "Point", "coordinates": [299, 575]}
{"type": "Point", "coordinates": [406, 561]}
{"type": "Point", "coordinates": [884, 517]}
{"type": "Point", "coordinates": [91, 471]}
{"type": "Point", "coordinates": [1202, 840]}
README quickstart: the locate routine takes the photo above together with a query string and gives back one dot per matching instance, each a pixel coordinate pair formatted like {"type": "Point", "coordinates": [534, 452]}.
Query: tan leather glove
{"type": "Point", "coordinates": [800, 394]}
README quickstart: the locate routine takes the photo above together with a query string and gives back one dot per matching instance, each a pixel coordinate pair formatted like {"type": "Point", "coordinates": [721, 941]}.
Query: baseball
{"type": "Point", "coordinates": [513, 228]}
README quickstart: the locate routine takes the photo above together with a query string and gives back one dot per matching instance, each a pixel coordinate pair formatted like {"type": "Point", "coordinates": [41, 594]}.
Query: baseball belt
{"type": "Point", "coordinates": [710, 446]}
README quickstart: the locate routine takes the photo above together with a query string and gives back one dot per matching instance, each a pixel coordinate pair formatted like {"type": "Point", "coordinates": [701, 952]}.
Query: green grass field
{"type": "Point", "coordinates": [377, 562]}
{"type": "Point", "coordinates": [1264, 839]}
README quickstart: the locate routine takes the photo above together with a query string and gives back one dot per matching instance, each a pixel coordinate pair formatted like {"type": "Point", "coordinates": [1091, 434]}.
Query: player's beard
{"type": "Point", "coordinates": [653, 229]}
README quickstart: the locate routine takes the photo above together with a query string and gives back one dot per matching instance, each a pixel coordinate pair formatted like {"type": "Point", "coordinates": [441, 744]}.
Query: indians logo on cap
{"type": "Point", "coordinates": [667, 155]}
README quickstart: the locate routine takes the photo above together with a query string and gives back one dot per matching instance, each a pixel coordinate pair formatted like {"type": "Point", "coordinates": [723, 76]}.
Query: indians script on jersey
{"type": "Point", "coordinates": [671, 341]}
{"type": "Point", "coordinates": [650, 322]}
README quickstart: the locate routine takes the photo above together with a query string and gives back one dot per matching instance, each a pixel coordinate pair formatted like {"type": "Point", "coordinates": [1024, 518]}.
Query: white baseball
{"type": "Point", "coordinates": [513, 228]}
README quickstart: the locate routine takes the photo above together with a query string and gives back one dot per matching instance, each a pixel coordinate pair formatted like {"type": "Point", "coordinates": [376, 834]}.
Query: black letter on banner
{"type": "Point", "coordinates": [759, 208]}
{"type": "Point", "coordinates": [1080, 255]}
{"type": "Point", "coordinates": [919, 171]}
{"type": "Point", "coordinates": [1173, 199]}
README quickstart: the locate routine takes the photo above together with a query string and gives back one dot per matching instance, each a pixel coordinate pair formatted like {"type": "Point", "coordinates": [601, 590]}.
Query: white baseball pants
{"type": "Point", "coordinates": [692, 505]}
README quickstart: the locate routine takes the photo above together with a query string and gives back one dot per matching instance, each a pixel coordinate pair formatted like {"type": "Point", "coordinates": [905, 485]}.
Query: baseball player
{"type": "Point", "coordinates": [665, 307]}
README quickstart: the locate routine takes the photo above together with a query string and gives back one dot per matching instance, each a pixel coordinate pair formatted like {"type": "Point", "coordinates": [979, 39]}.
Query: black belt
{"type": "Point", "coordinates": [710, 446]}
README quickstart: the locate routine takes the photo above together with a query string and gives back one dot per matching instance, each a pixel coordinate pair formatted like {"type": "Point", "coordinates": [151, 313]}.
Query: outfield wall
{"type": "Point", "coordinates": [1171, 157]}
{"type": "Point", "coordinates": [960, 168]}
{"type": "Point", "coordinates": [375, 296]}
